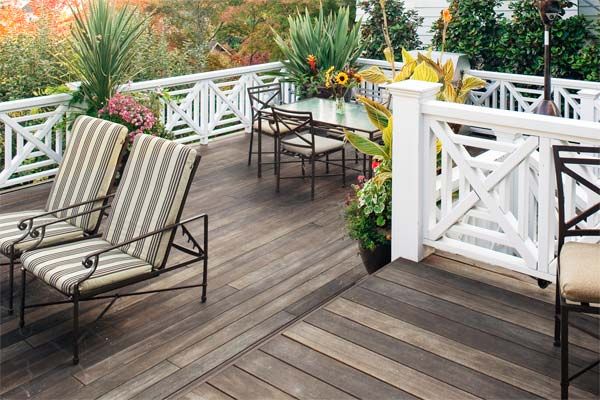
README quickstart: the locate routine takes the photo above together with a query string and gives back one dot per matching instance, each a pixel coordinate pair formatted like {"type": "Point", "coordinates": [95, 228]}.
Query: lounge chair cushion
{"type": "Point", "coordinates": [150, 196]}
{"type": "Point", "coordinates": [9, 232]}
{"type": "Point", "coordinates": [269, 127]}
{"type": "Point", "coordinates": [61, 266]}
{"type": "Point", "coordinates": [580, 272]}
{"type": "Point", "coordinates": [322, 145]}
{"type": "Point", "coordinates": [87, 169]}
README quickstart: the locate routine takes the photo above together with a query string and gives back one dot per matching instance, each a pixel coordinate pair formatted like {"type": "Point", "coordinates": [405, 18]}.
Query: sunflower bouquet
{"type": "Point", "coordinates": [340, 83]}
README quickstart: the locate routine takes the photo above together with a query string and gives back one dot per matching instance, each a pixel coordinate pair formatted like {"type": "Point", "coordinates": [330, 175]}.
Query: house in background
{"type": "Point", "coordinates": [430, 11]}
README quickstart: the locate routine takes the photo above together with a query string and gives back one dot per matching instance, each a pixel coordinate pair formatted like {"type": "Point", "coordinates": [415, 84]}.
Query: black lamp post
{"type": "Point", "coordinates": [550, 11]}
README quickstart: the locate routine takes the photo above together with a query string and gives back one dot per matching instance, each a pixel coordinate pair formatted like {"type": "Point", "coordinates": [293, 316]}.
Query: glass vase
{"type": "Point", "coordinates": [340, 105]}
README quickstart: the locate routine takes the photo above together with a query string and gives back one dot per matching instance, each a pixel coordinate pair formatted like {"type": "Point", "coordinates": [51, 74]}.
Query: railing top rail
{"type": "Point", "coordinates": [510, 121]}
{"type": "Point", "coordinates": [202, 76]}
{"type": "Point", "coordinates": [34, 102]}
{"type": "Point", "coordinates": [535, 80]}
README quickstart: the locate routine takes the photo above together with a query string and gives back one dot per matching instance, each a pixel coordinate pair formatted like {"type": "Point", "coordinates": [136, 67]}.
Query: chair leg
{"type": "Point", "coordinates": [76, 328]}
{"type": "Point", "coordinates": [205, 262]}
{"type": "Point", "coordinates": [344, 167]}
{"type": "Point", "coordinates": [11, 283]}
{"type": "Point", "coordinates": [557, 316]}
{"type": "Point", "coordinates": [278, 166]}
{"type": "Point", "coordinates": [250, 149]}
{"type": "Point", "coordinates": [355, 156]}
{"type": "Point", "coordinates": [274, 151]}
{"type": "Point", "coordinates": [259, 150]}
{"type": "Point", "coordinates": [312, 177]}
{"type": "Point", "coordinates": [327, 163]}
{"type": "Point", "coordinates": [564, 353]}
{"type": "Point", "coordinates": [22, 310]}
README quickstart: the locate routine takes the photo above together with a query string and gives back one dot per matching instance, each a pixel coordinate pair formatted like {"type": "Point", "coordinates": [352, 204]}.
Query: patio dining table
{"type": "Point", "coordinates": [354, 119]}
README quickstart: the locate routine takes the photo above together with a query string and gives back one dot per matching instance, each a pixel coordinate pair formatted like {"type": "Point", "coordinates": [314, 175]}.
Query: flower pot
{"type": "Point", "coordinates": [374, 259]}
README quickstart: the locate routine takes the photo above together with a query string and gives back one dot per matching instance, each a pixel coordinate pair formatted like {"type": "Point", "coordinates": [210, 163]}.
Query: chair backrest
{"type": "Point", "coordinates": [567, 159]}
{"type": "Point", "coordinates": [87, 170]}
{"type": "Point", "coordinates": [263, 97]}
{"type": "Point", "coordinates": [295, 124]}
{"type": "Point", "coordinates": [151, 196]}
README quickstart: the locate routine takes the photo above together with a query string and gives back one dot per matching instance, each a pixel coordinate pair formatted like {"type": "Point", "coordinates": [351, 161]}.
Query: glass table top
{"type": "Point", "coordinates": [323, 110]}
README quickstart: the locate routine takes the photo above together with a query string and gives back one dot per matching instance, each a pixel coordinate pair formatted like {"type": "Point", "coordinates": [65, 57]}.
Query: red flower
{"type": "Point", "coordinates": [375, 164]}
{"type": "Point", "coordinates": [312, 62]}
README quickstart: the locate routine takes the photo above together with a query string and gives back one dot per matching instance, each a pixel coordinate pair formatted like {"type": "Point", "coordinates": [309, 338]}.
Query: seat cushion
{"type": "Point", "coordinates": [580, 272]}
{"type": "Point", "coordinates": [9, 232]}
{"type": "Point", "coordinates": [61, 266]}
{"type": "Point", "coordinates": [150, 197]}
{"type": "Point", "coordinates": [87, 169]}
{"type": "Point", "coordinates": [269, 128]}
{"type": "Point", "coordinates": [322, 145]}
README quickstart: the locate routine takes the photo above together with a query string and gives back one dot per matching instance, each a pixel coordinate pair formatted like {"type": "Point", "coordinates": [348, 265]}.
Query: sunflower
{"type": "Point", "coordinates": [341, 78]}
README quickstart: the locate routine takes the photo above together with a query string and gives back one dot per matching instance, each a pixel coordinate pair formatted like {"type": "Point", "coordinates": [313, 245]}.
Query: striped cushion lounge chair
{"type": "Point", "coordinates": [82, 182]}
{"type": "Point", "coordinates": [145, 216]}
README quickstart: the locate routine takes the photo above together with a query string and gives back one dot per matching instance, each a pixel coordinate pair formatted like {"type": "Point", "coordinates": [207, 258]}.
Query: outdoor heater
{"type": "Point", "coordinates": [550, 11]}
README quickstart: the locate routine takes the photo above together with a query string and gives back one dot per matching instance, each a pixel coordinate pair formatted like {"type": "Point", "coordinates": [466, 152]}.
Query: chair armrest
{"type": "Point", "coordinates": [91, 260]}
{"type": "Point", "coordinates": [28, 222]}
{"type": "Point", "coordinates": [39, 232]}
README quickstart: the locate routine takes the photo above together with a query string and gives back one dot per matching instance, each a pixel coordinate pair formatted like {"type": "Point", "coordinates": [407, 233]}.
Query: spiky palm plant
{"type": "Point", "coordinates": [102, 41]}
{"type": "Point", "coordinates": [330, 39]}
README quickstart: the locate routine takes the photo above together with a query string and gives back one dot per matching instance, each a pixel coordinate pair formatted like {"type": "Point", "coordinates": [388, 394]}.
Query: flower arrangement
{"type": "Point", "coordinates": [139, 119]}
{"type": "Point", "coordinates": [340, 83]}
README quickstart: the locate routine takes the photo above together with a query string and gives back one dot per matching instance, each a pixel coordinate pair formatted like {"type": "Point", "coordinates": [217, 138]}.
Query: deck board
{"type": "Point", "coordinates": [290, 314]}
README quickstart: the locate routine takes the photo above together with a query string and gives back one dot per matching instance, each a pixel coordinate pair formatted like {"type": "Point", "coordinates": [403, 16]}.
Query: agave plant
{"type": "Point", "coordinates": [327, 40]}
{"type": "Point", "coordinates": [102, 41]}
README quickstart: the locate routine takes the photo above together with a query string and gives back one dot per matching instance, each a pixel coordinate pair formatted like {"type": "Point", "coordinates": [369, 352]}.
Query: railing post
{"type": "Point", "coordinates": [588, 104]}
{"type": "Point", "coordinates": [408, 168]}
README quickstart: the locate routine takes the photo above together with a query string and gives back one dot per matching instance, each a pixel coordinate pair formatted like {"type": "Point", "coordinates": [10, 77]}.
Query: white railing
{"type": "Point", "coordinates": [210, 104]}
{"type": "Point", "coordinates": [198, 107]}
{"type": "Point", "coordinates": [489, 197]}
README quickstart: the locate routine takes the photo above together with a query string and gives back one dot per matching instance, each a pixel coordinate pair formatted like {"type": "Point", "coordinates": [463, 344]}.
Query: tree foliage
{"type": "Point", "coordinates": [403, 25]}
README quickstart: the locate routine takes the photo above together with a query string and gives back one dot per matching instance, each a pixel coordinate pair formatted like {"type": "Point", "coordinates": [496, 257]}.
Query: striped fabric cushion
{"type": "Point", "coordinates": [9, 231]}
{"type": "Point", "coordinates": [87, 168]}
{"type": "Point", "coordinates": [150, 196]}
{"type": "Point", "coordinates": [60, 266]}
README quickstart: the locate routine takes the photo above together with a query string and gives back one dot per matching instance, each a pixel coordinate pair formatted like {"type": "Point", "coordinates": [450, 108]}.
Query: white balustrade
{"type": "Point", "coordinates": [492, 196]}
{"type": "Point", "coordinates": [207, 105]}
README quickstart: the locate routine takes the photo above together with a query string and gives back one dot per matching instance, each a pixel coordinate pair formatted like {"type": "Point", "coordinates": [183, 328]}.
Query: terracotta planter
{"type": "Point", "coordinates": [374, 259]}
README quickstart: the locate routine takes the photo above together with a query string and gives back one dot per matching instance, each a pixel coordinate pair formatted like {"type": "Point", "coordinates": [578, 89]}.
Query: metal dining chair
{"type": "Point", "coordinates": [296, 137]}
{"type": "Point", "coordinates": [261, 99]}
{"type": "Point", "coordinates": [578, 273]}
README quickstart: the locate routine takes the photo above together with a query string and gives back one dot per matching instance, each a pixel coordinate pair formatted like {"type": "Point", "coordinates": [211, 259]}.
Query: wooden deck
{"type": "Point", "coordinates": [284, 319]}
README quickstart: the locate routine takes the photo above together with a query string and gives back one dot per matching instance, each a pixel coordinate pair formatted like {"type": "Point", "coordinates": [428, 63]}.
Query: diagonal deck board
{"type": "Point", "coordinates": [429, 323]}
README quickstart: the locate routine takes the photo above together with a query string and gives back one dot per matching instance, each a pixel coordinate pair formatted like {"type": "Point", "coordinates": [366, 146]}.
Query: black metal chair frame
{"type": "Point", "coordinates": [261, 113]}
{"type": "Point", "coordinates": [197, 252]}
{"type": "Point", "coordinates": [27, 225]}
{"type": "Point", "coordinates": [569, 229]}
{"type": "Point", "coordinates": [296, 124]}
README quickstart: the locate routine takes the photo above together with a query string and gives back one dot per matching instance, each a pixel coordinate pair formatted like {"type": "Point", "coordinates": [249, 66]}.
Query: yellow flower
{"type": "Point", "coordinates": [446, 16]}
{"type": "Point", "coordinates": [328, 77]}
{"type": "Point", "coordinates": [341, 78]}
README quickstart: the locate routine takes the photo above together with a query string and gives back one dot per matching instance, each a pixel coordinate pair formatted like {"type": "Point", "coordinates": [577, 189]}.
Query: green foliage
{"type": "Point", "coordinates": [516, 45]}
{"type": "Point", "coordinates": [331, 39]}
{"type": "Point", "coordinates": [103, 43]}
{"type": "Point", "coordinates": [403, 25]}
{"type": "Point", "coordinates": [28, 64]}
{"type": "Point", "coordinates": [369, 213]}
{"type": "Point", "coordinates": [475, 30]}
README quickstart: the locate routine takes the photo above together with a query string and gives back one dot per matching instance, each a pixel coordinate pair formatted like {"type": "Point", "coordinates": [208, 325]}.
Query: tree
{"type": "Point", "coordinates": [403, 25]}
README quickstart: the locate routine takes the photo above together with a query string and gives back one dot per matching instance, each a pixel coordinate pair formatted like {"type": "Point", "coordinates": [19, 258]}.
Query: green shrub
{"type": "Point", "coordinates": [28, 64]}
{"type": "Point", "coordinates": [403, 26]}
{"type": "Point", "coordinates": [516, 45]}
{"type": "Point", "coordinates": [475, 30]}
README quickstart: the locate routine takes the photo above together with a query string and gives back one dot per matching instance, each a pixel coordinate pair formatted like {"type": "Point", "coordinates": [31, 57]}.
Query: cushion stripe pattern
{"type": "Point", "coordinates": [9, 231]}
{"type": "Point", "coordinates": [87, 169]}
{"type": "Point", "coordinates": [61, 266]}
{"type": "Point", "coordinates": [150, 196]}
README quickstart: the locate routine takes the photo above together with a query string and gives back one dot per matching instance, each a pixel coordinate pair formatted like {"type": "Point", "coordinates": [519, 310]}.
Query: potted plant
{"type": "Point", "coordinates": [368, 217]}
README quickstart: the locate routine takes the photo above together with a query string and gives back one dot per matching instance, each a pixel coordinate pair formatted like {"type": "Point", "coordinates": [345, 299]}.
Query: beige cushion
{"type": "Point", "coordinates": [580, 272]}
{"type": "Point", "coordinates": [60, 266]}
{"type": "Point", "coordinates": [322, 145]}
{"type": "Point", "coordinates": [269, 128]}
